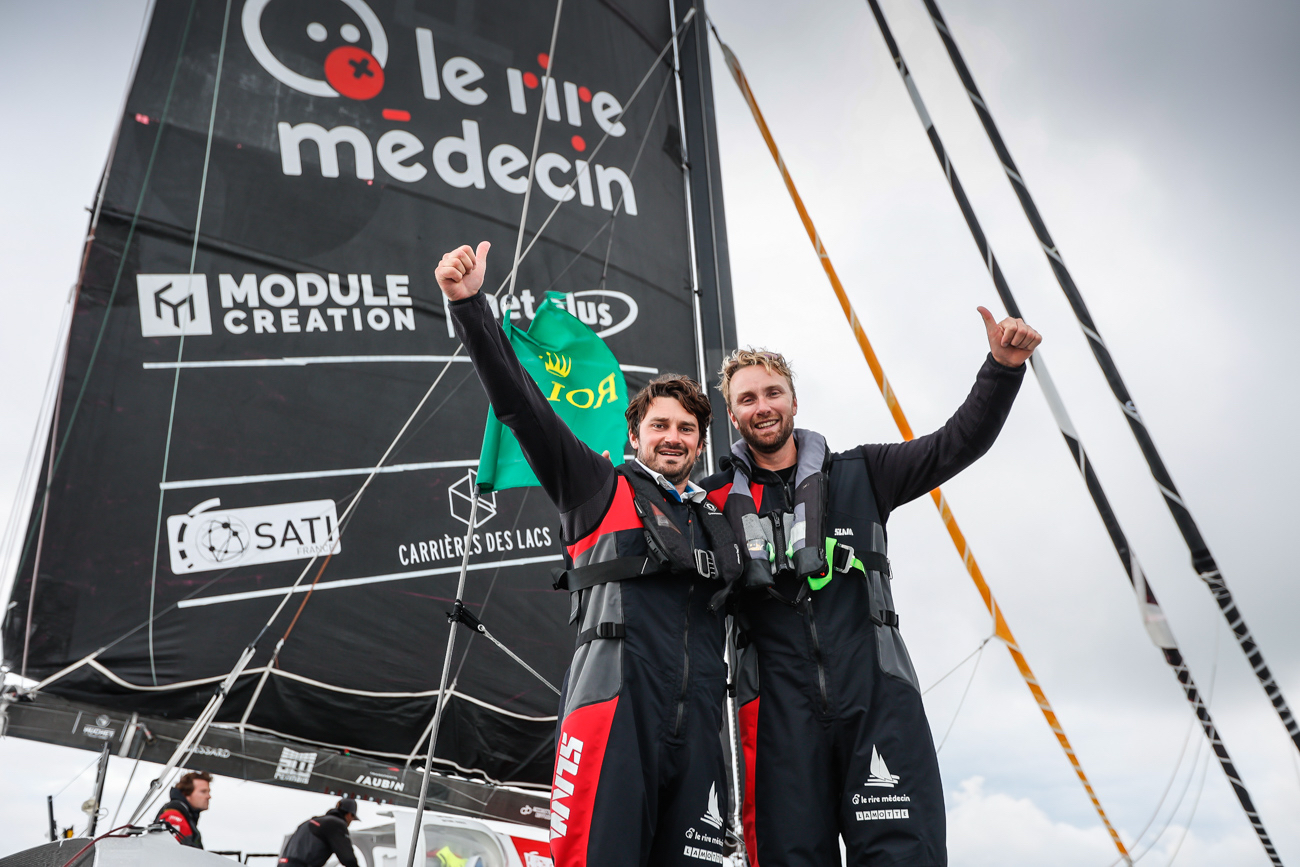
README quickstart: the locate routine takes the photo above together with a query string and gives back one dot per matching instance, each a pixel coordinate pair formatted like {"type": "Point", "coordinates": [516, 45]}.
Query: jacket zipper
{"type": "Point", "coordinates": [686, 662]}
{"type": "Point", "coordinates": [817, 656]}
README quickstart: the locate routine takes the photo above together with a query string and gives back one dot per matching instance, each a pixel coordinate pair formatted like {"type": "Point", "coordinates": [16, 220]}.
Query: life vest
{"type": "Point", "coordinates": [636, 537]}
{"type": "Point", "coordinates": [796, 539]}
{"type": "Point", "coordinates": [853, 595]}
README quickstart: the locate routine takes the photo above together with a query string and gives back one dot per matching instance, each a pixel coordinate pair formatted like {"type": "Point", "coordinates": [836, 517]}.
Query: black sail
{"type": "Point", "coordinates": [225, 398]}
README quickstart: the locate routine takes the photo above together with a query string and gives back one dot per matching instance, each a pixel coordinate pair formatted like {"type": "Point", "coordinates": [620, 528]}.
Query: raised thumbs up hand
{"type": "Point", "coordinates": [460, 273]}
{"type": "Point", "coordinates": [1011, 341]}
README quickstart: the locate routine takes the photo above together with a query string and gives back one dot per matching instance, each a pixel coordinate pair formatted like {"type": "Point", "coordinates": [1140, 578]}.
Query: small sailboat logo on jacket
{"type": "Point", "coordinates": [880, 775]}
{"type": "Point", "coordinates": [713, 816]}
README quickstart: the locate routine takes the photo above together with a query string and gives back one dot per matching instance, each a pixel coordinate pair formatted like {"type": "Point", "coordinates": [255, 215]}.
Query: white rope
{"type": "Point", "coordinates": [979, 654]}
{"type": "Point", "coordinates": [180, 349]}
{"type": "Point", "coordinates": [1195, 760]}
{"type": "Point", "coordinates": [27, 481]}
{"type": "Point", "coordinates": [510, 278]}
{"type": "Point", "coordinates": [532, 160]}
{"type": "Point", "coordinates": [990, 637]}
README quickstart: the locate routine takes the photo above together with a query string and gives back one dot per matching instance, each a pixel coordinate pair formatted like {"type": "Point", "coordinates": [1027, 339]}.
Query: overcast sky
{"type": "Point", "coordinates": [1159, 140]}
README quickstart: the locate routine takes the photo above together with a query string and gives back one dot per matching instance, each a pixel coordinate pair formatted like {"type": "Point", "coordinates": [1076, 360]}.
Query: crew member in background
{"type": "Point", "coordinates": [640, 770]}
{"type": "Point", "coordinates": [189, 797]}
{"type": "Point", "coordinates": [835, 738]}
{"type": "Point", "coordinates": [319, 837]}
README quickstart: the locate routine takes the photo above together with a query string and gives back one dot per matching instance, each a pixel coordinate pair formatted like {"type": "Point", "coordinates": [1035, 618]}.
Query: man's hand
{"type": "Point", "coordinates": [460, 273]}
{"type": "Point", "coordinates": [1011, 341]}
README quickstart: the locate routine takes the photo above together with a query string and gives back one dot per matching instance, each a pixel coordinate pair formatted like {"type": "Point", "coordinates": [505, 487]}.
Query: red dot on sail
{"type": "Point", "coordinates": [584, 94]}
{"type": "Point", "coordinates": [579, 143]}
{"type": "Point", "coordinates": [354, 72]}
{"type": "Point", "coordinates": [530, 80]}
{"type": "Point", "coordinates": [543, 60]}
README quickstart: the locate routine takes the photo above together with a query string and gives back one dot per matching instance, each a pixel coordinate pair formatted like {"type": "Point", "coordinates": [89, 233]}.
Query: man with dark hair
{"type": "Point", "coordinates": [640, 770]}
{"type": "Point", "coordinates": [319, 837]}
{"type": "Point", "coordinates": [189, 797]}
{"type": "Point", "coordinates": [834, 734]}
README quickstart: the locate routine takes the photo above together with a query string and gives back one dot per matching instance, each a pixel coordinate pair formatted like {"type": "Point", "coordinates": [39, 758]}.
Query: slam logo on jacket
{"type": "Point", "coordinates": [208, 537]}
{"type": "Point", "coordinates": [566, 772]}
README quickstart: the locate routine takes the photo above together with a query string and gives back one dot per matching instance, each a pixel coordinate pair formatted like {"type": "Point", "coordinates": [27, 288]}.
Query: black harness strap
{"type": "Point", "coordinates": [619, 569]}
{"type": "Point", "coordinates": [872, 561]}
{"type": "Point", "coordinates": [601, 630]}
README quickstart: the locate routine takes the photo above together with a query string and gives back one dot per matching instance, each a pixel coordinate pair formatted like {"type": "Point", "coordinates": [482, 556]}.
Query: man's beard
{"type": "Point", "coordinates": [751, 436]}
{"type": "Point", "coordinates": [676, 476]}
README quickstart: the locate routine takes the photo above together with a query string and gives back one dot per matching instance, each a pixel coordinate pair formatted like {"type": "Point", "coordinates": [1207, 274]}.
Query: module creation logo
{"type": "Point", "coordinates": [172, 305]}
{"type": "Point", "coordinates": [208, 537]}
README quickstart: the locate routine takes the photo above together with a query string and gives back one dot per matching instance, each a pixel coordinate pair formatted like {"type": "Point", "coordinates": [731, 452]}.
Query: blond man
{"type": "Point", "coordinates": [835, 739]}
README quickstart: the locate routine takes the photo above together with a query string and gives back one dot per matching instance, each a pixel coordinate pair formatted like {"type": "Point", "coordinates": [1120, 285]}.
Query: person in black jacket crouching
{"type": "Point", "coordinates": [322, 836]}
{"type": "Point", "coordinates": [834, 734]}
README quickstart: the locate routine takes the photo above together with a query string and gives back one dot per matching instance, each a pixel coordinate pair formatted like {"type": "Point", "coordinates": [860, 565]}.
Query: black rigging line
{"type": "Point", "coordinates": [1154, 618]}
{"type": "Point", "coordinates": [1202, 561]}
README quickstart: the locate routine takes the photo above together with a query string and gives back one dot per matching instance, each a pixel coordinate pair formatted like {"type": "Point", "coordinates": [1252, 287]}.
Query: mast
{"type": "Point", "coordinates": [1202, 560]}
{"type": "Point", "coordinates": [1153, 616]}
{"type": "Point", "coordinates": [708, 219]}
{"type": "Point", "coordinates": [1001, 629]}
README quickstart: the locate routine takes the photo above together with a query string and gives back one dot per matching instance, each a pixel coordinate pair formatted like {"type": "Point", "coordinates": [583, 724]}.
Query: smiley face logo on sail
{"type": "Point", "coordinates": [324, 44]}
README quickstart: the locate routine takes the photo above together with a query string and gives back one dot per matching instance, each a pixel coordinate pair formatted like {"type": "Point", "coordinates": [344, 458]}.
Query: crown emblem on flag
{"type": "Point", "coordinates": [557, 364]}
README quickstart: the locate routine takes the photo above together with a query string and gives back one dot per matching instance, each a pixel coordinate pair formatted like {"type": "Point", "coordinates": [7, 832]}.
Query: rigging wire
{"type": "Point", "coordinates": [1178, 766]}
{"type": "Point", "coordinates": [979, 654]}
{"type": "Point", "coordinates": [27, 481]}
{"type": "Point", "coordinates": [952, 670]}
{"type": "Point", "coordinates": [1195, 761]}
{"type": "Point", "coordinates": [200, 725]}
{"type": "Point", "coordinates": [900, 419]}
{"type": "Point", "coordinates": [1203, 562]}
{"type": "Point", "coordinates": [62, 346]}
{"type": "Point", "coordinates": [121, 265]}
{"type": "Point", "coordinates": [451, 634]}
{"type": "Point", "coordinates": [180, 349]}
{"type": "Point", "coordinates": [81, 773]}
{"type": "Point", "coordinates": [510, 277]}
{"type": "Point", "coordinates": [130, 779]}
{"type": "Point", "coordinates": [1153, 617]}
{"type": "Point", "coordinates": [1205, 771]}
{"type": "Point", "coordinates": [548, 86]}
{"type": "Point", "coordinates": [609, 223]}
{"type": "Point", "coordinates": [1209, 698]}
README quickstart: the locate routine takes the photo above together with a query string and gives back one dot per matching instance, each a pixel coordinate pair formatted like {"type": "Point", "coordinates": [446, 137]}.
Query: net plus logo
{"type": "Point", "coordinates": [173, 304]}
{"type": "Point", "coordinates": [348, 69]}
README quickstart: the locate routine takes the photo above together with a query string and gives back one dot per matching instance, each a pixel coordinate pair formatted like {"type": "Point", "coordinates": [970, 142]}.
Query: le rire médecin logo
{"type": "Point", "coordinates": [324, 55]}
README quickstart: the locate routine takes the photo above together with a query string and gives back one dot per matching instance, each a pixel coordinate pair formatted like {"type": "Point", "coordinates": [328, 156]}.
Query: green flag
{"type": "Point", "coordinates": [579, 376]}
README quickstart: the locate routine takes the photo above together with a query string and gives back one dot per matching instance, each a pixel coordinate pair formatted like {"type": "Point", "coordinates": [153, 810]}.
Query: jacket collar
{"type": "Point", "coordinates": [811, 458]}
{"type": "Point", "coordinates": [694, 493]}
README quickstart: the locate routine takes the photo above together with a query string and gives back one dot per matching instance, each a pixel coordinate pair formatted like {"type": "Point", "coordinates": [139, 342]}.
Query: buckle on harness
{"type": "Point", "coordinates": [843, 554]}
{"type": "Point", "coordinates": [705, 564]}
{"type": "Point", "coordinates": [886, 618]}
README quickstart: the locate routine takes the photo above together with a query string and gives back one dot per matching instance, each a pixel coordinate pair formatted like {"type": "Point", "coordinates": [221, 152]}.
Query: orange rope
{"type": "Point", "coordinates": [949, 521]}
{"type": "Point", "coordinates": [303, 604]}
